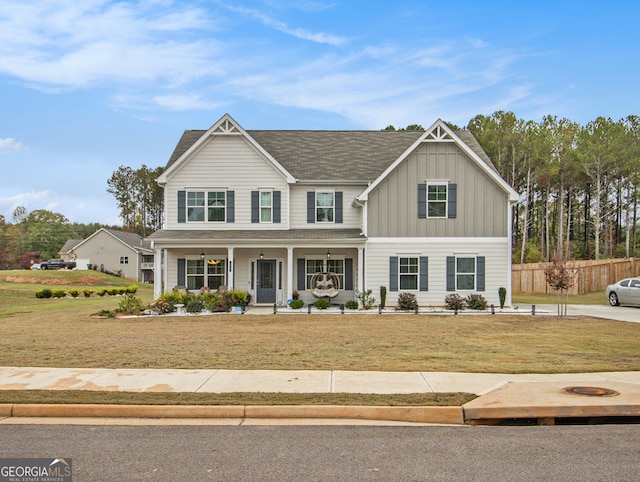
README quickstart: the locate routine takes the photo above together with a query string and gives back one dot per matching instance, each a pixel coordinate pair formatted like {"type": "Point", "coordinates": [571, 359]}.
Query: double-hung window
{"type": "Point", "coordinates": [216, 206]}
{"type": "Point", "coordinates": [325, 206]}
{"type": "Point", "coordinates": [216, 273]}
{"type": "Point", "coordinates": [195, 274]}
{"type": "Point", "coordinates": [210, 274]}
{"type": "Point", "coordinates": [436, 200]}
{"type": "Point", "coordinates": [408, 273]}
{"type": "Point", "coordinates": [465, 273]}
{"type": "Point", "coordinates": [266, 206]}
{"type": "Point", "coordinates": [195, 206]}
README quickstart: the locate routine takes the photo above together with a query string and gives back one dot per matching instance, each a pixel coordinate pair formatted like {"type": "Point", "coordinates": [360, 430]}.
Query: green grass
{"type": "Point", "coordinates": [595, 298]}
{"type": "Point", "coordinates": [63, 333]}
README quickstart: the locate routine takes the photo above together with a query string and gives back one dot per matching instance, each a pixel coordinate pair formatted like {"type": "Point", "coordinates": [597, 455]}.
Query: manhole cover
{"type": "Point", "coordinates": [591, 391]}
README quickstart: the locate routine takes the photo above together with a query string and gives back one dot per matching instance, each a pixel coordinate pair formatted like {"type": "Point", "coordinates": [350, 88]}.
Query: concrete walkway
{"type": "Point", "coordinates": [500, 396]}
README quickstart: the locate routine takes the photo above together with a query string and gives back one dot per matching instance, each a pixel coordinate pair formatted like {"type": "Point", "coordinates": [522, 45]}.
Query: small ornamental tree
{"type": "Point", "coordinates": [560, 275]}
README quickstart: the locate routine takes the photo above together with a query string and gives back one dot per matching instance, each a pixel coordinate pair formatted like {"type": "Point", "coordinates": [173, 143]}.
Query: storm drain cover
{"type": "Point", "coordinates": [591, 391]}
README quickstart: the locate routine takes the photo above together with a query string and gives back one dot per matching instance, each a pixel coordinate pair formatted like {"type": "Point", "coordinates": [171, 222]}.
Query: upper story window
{"type": "Point", "coordinates": [266, 206]}
{"type": "Point", "coordinates": [437, 200]}
{"type": "Point", "coordinates": [124, 259]}
{"type": "Point", "coordinates": [215, 206]}
{"type": "Point", "coordinates": [325, 206]}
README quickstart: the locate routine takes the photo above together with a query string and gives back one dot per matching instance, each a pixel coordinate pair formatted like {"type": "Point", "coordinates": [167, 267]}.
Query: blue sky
{"type": "Point", "coordinates": [87, 86]}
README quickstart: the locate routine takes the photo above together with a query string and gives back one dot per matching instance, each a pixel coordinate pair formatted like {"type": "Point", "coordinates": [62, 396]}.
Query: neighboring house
{"type": "Point", "coordinates": [112, 250]}
{"type": "Point", "coordinates": [273, 212]}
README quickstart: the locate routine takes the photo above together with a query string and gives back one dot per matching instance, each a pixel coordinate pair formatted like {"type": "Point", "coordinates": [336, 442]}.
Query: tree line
{"type": "Point", "coordinates": [578, 184]}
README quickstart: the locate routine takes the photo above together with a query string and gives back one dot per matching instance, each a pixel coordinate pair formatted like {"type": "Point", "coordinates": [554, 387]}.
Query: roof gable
{"type": "Point", "coordinates": [131, 240]}
{"type": "Point", "coordinates": [440, 132]}
{"type": "Point", "coordinates": [192, 141]}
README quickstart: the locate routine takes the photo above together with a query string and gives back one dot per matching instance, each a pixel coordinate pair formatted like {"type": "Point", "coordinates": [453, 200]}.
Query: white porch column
{"type": "Point", "coordinates": [231, 268]}
{"type": "Point", "coordinates": [360, 269]}
{"type": "Point", "coordinates": [289, 273]}
{"type": "Point", "coordinates": [157, 273]}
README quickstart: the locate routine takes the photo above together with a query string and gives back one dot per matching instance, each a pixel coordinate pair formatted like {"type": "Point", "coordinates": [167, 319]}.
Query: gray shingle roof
{"type": "Point", "coordinates": [332, 155]}
{"type": "Point", "coordinates": [70, 244]}
{"type": "Point", "coordinates": [131, 239]}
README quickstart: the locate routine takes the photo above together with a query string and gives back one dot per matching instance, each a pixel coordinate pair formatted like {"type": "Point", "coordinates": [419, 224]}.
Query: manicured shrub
{"type": "Point", "coordinates": [476, 302]}
{"type": "Point", "coordinates": [454, 301]}
{"type": "Point", "coordinates": [101, 292]}
{"type": "Point", "coordinates": [322, 304]}
{"type": "Point", "coordinates": [130, 304]}
{"type": "Point", "coordinates": [296, 304]}
{"type": "Point", "coordinates": [351, 305]}
{"type": "Point", "coordinates": [383, 296]}
{"type": "Point", "coordinates": [43, 293]}
{"type": "Point", "coordinates": [162, 306]}
{"type": "Point", "coordinates": [74, 293]}
{"type": "Point", "coordinates": [58, 293]}
{"type": "Point", "coordinates": [194, 306]}
{"type": "Point", "coordinates": [113, 291]}
{"type": "Point", "coordinates": [502, 294]}
{"type": "Point", "coordinates": [87, 293]}
{"type": "Point", "coordinates": [133, 289]}
{"type": "Point", "coordinates": [366, 300]}
{"type": "Point", "coordinates": [407, 301]}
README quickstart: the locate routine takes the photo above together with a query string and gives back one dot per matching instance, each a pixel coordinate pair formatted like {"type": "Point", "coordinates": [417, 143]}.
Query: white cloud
{"type": "Point", "coordinates": [9, 144]}
{"type": "Point", "coordinates": [318, 37]}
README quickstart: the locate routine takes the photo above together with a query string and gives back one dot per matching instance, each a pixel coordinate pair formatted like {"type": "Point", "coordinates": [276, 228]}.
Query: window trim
{"type": "Point", "coordinates": [325, 268]}
{"type": "Point", "coordinates": [204, 274]}
{"type": "Point", "coordinates": [402, 275]}
{"type": "Point", "coordinates": [124, 259]}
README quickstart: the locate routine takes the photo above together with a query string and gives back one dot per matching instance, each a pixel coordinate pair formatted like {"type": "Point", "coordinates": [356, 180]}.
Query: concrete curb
{"type": "Point", "coordinates": [438, 415]}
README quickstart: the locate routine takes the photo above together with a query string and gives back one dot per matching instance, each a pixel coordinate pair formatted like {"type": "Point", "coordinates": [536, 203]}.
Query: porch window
{"type": "Point", "coordinates": [216, 273]}
{"type": "Point", "coordinates": [325, 204]}
{"type": "Point", "coordinates": [320, 265]}
{"type": "Point", "coordinates": [195, 274]}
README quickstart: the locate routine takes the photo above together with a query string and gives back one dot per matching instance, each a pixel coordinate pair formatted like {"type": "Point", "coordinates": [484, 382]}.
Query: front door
{"type": "Point", "coordinates": [266, 282]}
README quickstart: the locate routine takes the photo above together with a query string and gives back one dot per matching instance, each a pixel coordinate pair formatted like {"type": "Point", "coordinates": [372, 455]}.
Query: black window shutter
{"type": "Point", "coordinates": [480, 273]}
{"type": "Point", "coordinates": [311, 207]}
{"type": "Point", "coordinates": [338, 216]}
{"type": "Point", "coordinates": [301, 275]}
{"type": "Point", "coordinates": [422, 201]}
{"type": "Point", "coordinates": [255, 207]}
{"type": "Point", "coordinates": [451, 273]}
{"type": "Point", "coordinates": [231, 207]}
{"type": "Point", "coordinates": [452, 201]}
{"type": "Point", "coordinates": [182, 272]}
{"type": "Point", "coordinates": [276, 206]}
{"type": "Point", "coordinates": [348, 274]}
{"type": "Point", "coordinates": [393, 273]}
{"type": "Point", "coordinates": [182, 206]}
{"type": "Point", "coordinates": [424, 273]}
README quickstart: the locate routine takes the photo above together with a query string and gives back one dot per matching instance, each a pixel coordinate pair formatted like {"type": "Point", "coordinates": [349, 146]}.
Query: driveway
{"type": "Point", "coordinates": [619, 313]}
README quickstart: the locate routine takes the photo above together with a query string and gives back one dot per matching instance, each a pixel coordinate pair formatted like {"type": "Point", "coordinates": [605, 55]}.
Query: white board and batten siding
{"type": "Point", "coordinates": [494, 250]}
{"type": "Point", "coordinates": [226, 163]}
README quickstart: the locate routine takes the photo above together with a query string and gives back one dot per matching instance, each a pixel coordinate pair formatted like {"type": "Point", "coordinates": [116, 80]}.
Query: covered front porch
{"type": "Point", "coordinates": [270, 270]}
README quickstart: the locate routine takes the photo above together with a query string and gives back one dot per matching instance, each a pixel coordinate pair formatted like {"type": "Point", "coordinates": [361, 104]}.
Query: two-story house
{"type": "Point", "coordinates": [331, 213]}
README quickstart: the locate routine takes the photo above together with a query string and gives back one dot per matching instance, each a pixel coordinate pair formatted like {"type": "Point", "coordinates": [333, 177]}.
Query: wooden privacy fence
{"type": "Point", "coordinates": [591, 275]}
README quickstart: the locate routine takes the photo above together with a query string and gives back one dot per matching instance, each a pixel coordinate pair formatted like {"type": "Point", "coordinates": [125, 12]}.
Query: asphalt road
{"type": "Point", "coordinates": [336, 453]}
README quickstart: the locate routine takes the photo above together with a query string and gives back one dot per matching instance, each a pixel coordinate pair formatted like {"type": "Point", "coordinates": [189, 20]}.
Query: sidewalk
{"type": "Point", "coordinates": [500, 396]}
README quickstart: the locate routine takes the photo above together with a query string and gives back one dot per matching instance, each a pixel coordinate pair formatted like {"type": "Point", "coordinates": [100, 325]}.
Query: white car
{"type": "Point", "coordinates": [35, 266]}
{"type": "Point", "coordinates": [624, 292]}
